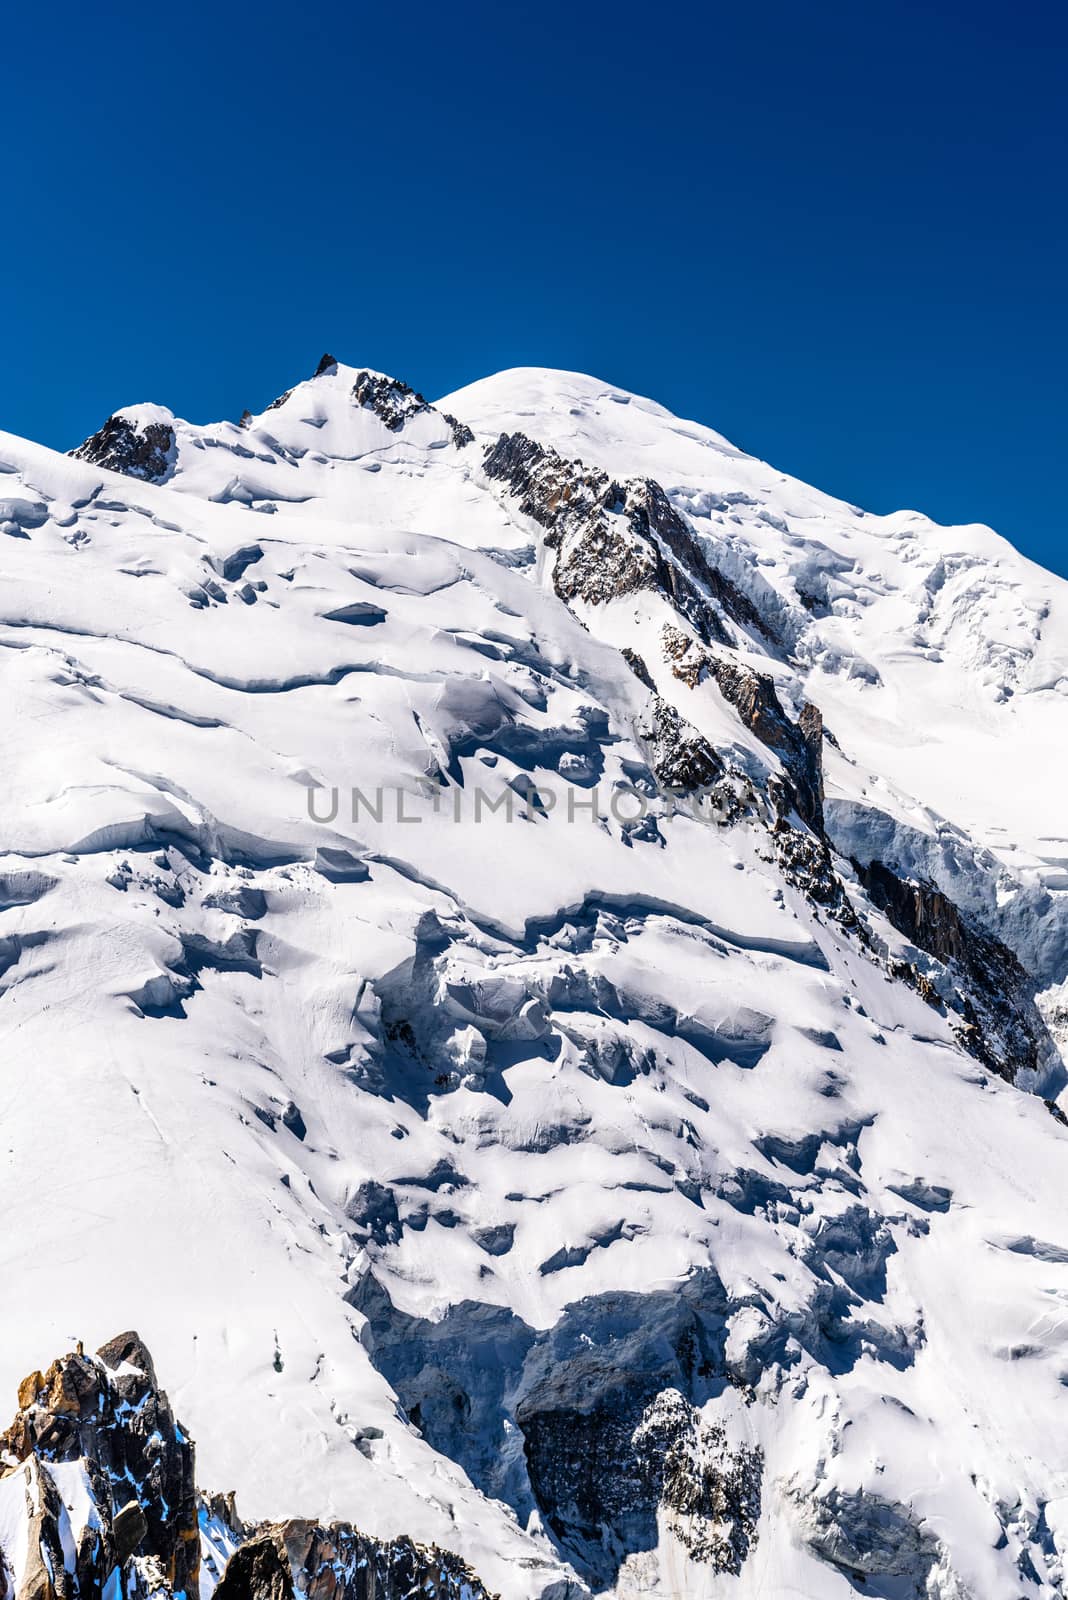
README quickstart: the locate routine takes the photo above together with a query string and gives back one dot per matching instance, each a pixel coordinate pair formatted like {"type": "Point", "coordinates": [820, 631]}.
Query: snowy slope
{"type": "Point", "coordinates": [672, 1208]}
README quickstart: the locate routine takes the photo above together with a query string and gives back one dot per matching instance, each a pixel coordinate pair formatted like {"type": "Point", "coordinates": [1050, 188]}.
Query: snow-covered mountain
{"type": "Point", "coordinates": [533, 971]}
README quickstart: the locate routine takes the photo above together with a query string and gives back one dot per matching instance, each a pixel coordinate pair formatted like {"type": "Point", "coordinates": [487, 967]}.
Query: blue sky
{"type": "Point", "coordinates": [835, 231]}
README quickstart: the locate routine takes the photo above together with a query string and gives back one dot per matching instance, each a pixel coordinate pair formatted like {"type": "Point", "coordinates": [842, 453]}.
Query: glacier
{"type": "Point", "coordinates": [534, 973]}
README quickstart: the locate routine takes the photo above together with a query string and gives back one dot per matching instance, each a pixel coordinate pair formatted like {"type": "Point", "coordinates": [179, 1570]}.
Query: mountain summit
{"type": "Point", "coordinates": [534, 953]}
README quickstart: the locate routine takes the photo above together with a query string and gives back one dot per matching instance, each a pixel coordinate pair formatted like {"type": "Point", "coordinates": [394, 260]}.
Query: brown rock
{"type": "Point", "coordinates": [29, 1389]}
{"type": "Point", "coordinates": [71, 1386]}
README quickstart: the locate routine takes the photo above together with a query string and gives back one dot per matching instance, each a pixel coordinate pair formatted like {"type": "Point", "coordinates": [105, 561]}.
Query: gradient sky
{"type": "Point", "coordinates": [836, 231]}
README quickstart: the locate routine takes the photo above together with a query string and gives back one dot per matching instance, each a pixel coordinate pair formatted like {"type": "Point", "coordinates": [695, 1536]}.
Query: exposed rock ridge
{"type": "Point", "coordinates": [615, 538]}
{"type": "Point", "coordinates": [977, 975]}
{"type": "Point", "coordinates": [396, 402]}
{"type": "Point", "coordinates": [971, 972]}
{"type": "Point", "coordinates": [285, 1560]}
{"type": "Point", "coordinates": [684, 762]}
{"type": "Point", "coordinates": [980, 977]}
{"type": "Point", "coordinates": [752, 694]}
{"type": "Point", "coordinates": [147, 452]}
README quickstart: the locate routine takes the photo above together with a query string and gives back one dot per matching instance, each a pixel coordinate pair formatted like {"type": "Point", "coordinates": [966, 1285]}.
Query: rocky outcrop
{"type": "Point", "coordinates": [461, 433]}
{"type": "Point", "coordinates": [615, 539]}
{"type": "Point", "coordinates": [597, 559]}
{"type": "Point", "coordinates": [925, 916]}
{"type": "Point", "coordinates": [605, 1466]}
{"type": "Point", "coordinates": [395, 403]}
{"type": "Point", "coordinates": [865, 1536]}
{"type": "Point", "coordinates": [980, 977]}
{"type": "Point", "coordinates": [799, 745]}
{"type": "Point", "coordinates": [597, 1423]}
{"type": "Point", "coordinates": [97, 1498]}
{"type": "Point", "coordinates": [681, 758]}
{"type": "Point", "coordinates": [637, 665]}
{"type": "Point", "coordinates": [286, 1560]}
{"type": "Point", "coordinates": [683, 763]}
{"type": "Point", "coordinates": [806, 861]}
{"type": "Point", "coordinates": [106, 1422]}
{"type": "Point", "coordinates": [654, 515]}
{"type": "Point", "coordinates": [709, 1493]}
{"type": "Point", "coordinates": [977, 976]}
{"type": "Point", "coordinates": [146, 452]}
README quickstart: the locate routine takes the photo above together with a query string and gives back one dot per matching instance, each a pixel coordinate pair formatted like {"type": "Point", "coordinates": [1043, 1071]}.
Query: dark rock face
{"type": "Point", "coordinates": [982, 978]}
{"type": "Point", "coordinates": [637, 666]}
{"type": "Point", "coordinates": [108, 1413]}
{"type": "Point", "coordinates": [752, 694]}
{"type": "Point", "coordinates": [595, 561]}
{"type": "Point", "coordinates": [287, 1559]}
{"type": "Point", "coordinates": [461, 433]}
{"type": "Point", "coordinates": [107, 1416]}
{"type": "Point", "coordinates": [711, 1494]}
{"type": "Point", "coordinates": [608, 1424]}
{"type": "Point", "coordinates": [590, 1484]}
{"type": "Point", "coordinates": [390, 399]}
{"type": "Point", "coordinates": [654, 514]}
{"type": "Point", "coordinates": [396, 403]}
{"type": "Point", "coordinates": [806, 861]}
{"type": "Point", "coordinates": [604, 1474]}
{"type": "Point", "coordinates": [606, 1405]}
{"type": "Point", "coordinates": [680, 757]}
{"type": "Point", "coordinates": [919, 911]}
{"type": "Point", "coordinates": [615, 539]}
{"type": "Point", "coordinates": [146, 454]}
{"type": "Point", "coordinates": [683, 762]}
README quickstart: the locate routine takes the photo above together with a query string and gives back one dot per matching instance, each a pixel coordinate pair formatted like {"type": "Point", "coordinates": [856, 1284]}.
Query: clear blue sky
{"type": "Point", "coordinates": [835, 231]}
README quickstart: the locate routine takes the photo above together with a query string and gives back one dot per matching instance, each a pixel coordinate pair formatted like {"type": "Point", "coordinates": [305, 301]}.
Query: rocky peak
{"type": "Point", "coordinates": [139, 442]}
{"type": "Point", "coordinates": [106, 1421]}
{"type": "Point", "coordinates": [396, 402]}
